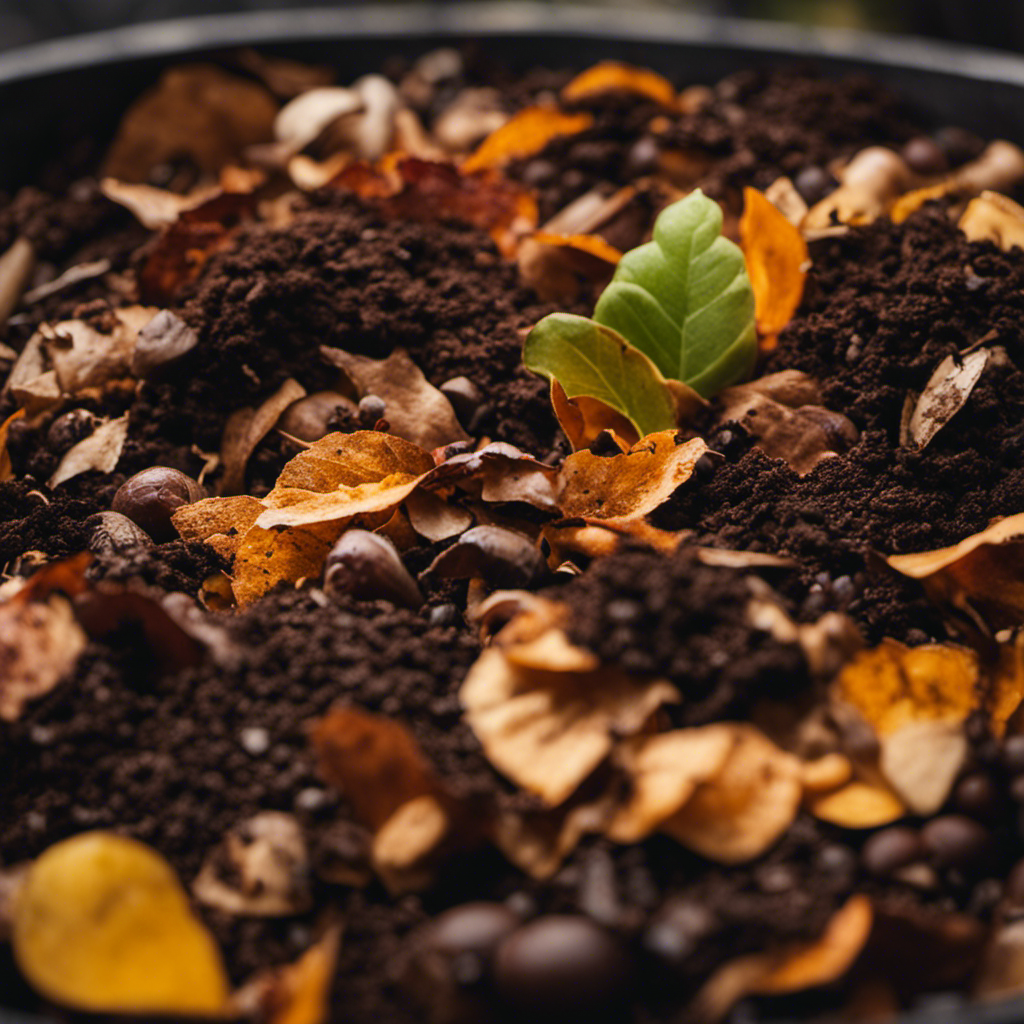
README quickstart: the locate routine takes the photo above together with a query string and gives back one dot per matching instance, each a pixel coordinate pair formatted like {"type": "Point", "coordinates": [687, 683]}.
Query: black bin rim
{"type": "Point", "coordinates": [413, 27]}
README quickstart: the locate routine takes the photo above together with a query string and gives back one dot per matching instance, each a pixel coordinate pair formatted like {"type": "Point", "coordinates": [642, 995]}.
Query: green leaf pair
{"type": "Point", "coordinates": [680, 307]}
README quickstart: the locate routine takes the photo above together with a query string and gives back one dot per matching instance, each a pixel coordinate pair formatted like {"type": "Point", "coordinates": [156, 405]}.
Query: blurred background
{"type": "Point", "coordinates": [998, 23]}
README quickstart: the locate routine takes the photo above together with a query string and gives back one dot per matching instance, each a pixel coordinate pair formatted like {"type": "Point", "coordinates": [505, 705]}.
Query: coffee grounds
{"type": "Point", "coordinates": [686, 622]}
{"type": "Point", "coordinates": [885, 305]}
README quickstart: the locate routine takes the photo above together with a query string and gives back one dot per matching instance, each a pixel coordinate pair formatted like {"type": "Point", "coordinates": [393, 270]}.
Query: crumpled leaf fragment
{"type": "Point", "coordinates": [559, 267]}
{"type": "Point", "coordinates": [412, 188]}
{"type": "Point", "coordinates": [16, 266]}
{"type": "Point", "coordinates": [627, 487]}
{"type": "Point", "coordinates": [777, 262]}
{"type": "Point", "coordinates": [414, 408]}
{"type": "Point", "coordinates": [40, 644]}
{"type": "Point", "coordinates": [83, 356]}
{"type": "Point", "coordinates": [102, 924]}
{"type": "Point", "coordinates": [100, 451]}
{"type": "Point", "coordinates": [992, 217]}
{"type": "Point", "coordinates": [980, 577]}
{"type": "Point", "coordinates": [266, 558]}
{"type": "Point", "coordinates": [943, 397]}
{"type": "Point", "coordinates": [195, 111]}
{"type": "Point", "coordinates": [614, 76]}
{"type": "Point", "coordinates": [745, 808]}
{"type": "Point", "coordinates": [6, 470]}
{"type": "Point", "coordinates": [163, 339]}
{"type": "Point", "coordinates": [219, 522]}
{"type": "Point", "coordinates": [916, 700]}
{"type": "Point", "coordinates": [245, 429]}
{"type": "Point", "coordinates": [524, 135]}
{"type": "Point", "coordinates": [802, 434]}
{"type": "Point", "coordinates": [154, 207]}
{"type": "Point", "coordinates": [548, 730]}
{"type": "Point", "coordinates": [304, 118]}
{"type": "Point", "coordinates": [584, 419]}
{"type": "Point", "coordinates": [858, 804]}
{"type": "Point", "coordinates": [260, 869]}
{"type": "Point", "coordinates": [868, 185]}
{"type": "Point", "coordinates": [297, 993]}
{"type": "Point", "coordinates": [593, 538]}
{"type": "Point", "coordinates": [794, 969]}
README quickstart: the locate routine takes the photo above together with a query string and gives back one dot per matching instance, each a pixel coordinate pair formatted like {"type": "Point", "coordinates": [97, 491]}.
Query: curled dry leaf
{"type": "Point", "coordinates": [868, 185]}
{"type": "Point", "coordinates": [154, 207]}
{"type": "Point", "coordinates": [405, 847]}
{"type": "Point", "coordinates": [802, 434]}
{"type": "Point", "coordinates": [943, 397]}
{"type": "Point", "coordinates": [559, 267]}
{"type": "Point", "coordinates": [548, 730]}
{"type": "Point", "coordinates": [791, 970]}
{"type": "Point", "coordinates": [425, 190]}
{"type": "Point", "coordinates": [471, 116]}
{"type": "Point", "coordinates": [245, 429]}
{"type": "Point", "coordinates": [500, 472]}
{"type": "Point", "coordinates": [744, 809]}
{"type": "Point", "coordinates": [6, 470]}
{"type": "Point", "coordinates": [992, 217]}
{"type": "Point", "coordinates": [195, 111]}
{"type": "Point", "coordinates": [526, 134]}
{"type": "Point", "coordinates": [102, 924]}
{"type": "Point", "coordinates": [584, 419]}
{"type": "Point", "coordinates": [980, 577]}
{"type": "Point", "coordinates": [777, 262]}
{"type": "Point", "coordinates": [435, 519]}
{"type": "Point", "coordinates": [219, 522]}
{"type": "Point", "coordinates": [261, 869]}
{"type": "Point", "coordinates": [40, 644]}
{"type": "Point", "coordinates": [782, 194]}
{"type": "Point", "coordinates": [100, 451]}
{"type": "Point", "coordinates": [414, 408]}
{"type": "Point", "coordinates": [297, 993]}
{"type": "Point", "coordinates": [594, 538]}
{"type": "Point", "coordinates": [304, 119]}
{"type": "Point", "coordinates": [628, 486]}
{"type": "Point", "coordinates": [613, 76]}
{"type": "Point", "coordinates": [859, 804]}
{"type": "Point", "coordinates": [16, 266]}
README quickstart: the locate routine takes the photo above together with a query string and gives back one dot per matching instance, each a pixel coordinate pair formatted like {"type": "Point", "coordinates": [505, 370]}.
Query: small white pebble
{"type": "Point", "coordinates": [255, 741]}
{"type": "Point", "coordinates": [311, 799]}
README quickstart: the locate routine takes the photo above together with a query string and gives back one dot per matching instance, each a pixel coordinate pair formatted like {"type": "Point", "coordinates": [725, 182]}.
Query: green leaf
{"type": "Point", "coordinates": [589, 359]}
{"type": "Point", "coordinates": [685, 299]}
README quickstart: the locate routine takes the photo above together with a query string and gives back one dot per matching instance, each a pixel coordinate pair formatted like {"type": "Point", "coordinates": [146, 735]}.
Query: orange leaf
{"type": "Point", "coordinates": [777, 261]}
{"type": "Point", "coordinates": [584, 419]}
{"type": "Point", "coordinates": [557, 266]}
{"type": "Point", "coordinates": [6, 470]}
{"type": "Point", "coordinates": [525, 135]}
{"type": "Point", "coordinates": [613, 76]}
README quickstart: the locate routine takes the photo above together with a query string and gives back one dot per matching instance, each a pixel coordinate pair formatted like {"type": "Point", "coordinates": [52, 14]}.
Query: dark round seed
{"type": "Point", "coordinates": [150, 497]}
{"type": "Point", "coordinates": [371, 410]}
{"type": "Point", "coordinates": [925, 156]}
{"type": "Point", "coordinates": [977, 795]}
{"type": "Point", "coordinates": [367, 566]}
{"type": "Point", "coordinates": [561, 962]}
{"type": "Point", "coordinates": [958, 145]}
{"type": "Point", "coordinates": [705, 467]}
{"type": "Point", "coordinates": [1013, 754]}
{"type": "Point", "coordinates": [891, 849]}
{"type": "Point", "coordinates": [814, 183]}
{"type": "Point", "coordinates": [475, 928]}
{"type": "Point", "coordinates": [69, 429]}
{"type": "Point", "coordinates": [464, 396]}
{"type": "Point", "coordinates": [955, 841]}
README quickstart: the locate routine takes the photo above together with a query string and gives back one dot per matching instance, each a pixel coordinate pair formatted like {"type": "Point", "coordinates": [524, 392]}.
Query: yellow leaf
{"type": "Point", "coordinates": [103, 925]}
{"type": "Point", "coordinates": [859, 805]}
{"type": "Point", "coordinates": [613, 76]}
{"type": "Point", "coordinates": [527, 133]}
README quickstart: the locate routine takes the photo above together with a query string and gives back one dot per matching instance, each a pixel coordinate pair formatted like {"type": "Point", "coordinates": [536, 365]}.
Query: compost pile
{"type": "Point", "coordinates": [352, 671]}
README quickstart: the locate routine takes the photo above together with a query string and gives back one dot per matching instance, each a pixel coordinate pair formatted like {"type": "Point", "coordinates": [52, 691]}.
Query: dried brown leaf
{"type": "Point", "coordinates": [560, 267]}
{"type": "Point", "coordinates": [83, 356]}
{"type": "Point", "coordinates": [196, 111]}
{"type": "Point", "coordinates": [100, 451]}
{"type": "Point", "coordinates": [16, 266]}
{"type": "Point", "coordinates": [992, 217]}
{"type": "Point", "coordinates": [548, 730]}
{"type": "Point", "coordinates": [944, 396]}
{"type": "Point", "coordinates": [405, 846]}
{"type": "Point", "coordinates": [922, 760]}
{"type": "Point", "coordinates": [245, 429]}
{"type": "Point", "coordinates": [858, 804]}
{"type": "Point", "coordinates": [628, 486]}
{"type": "Point", "coordinates": [414, 408]}
{"type": "Point", "coordinates": [153, 207]}
{"type": "Point", "coordinates": [746, 807]}
{"type": "Point", "coordinates": [435, 519]}
{"type": "Point", "coordinates": [304, 119]}
{"type": "Point", "coordinates": [981, 576]}
{"type": "Point", "coordinates": [525, 134]}
{"type": "Point", "coordinates": [583, 420]}
{"type": "Point", "coordinates": [219, 522]}
{"type": "Point", "coordinates": [40, 644]}
{"type": "Point", "coordinates": [266, 558]}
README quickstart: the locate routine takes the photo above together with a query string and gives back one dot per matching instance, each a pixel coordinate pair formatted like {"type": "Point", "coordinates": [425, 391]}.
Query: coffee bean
{"type": "Point", "coordinates": [464, 396]}
{"type": "Point", "coordinates": [955, 841]}
{"type": "Point", "coordinates": [112, 534]}
{"type": "Point", "coordinates": [1013, 754]}
{"type": "Point", "coordinates": [891, 849]}
{"type": "Point", "coordinates": [814, 183]}
{"type": "Point", "coordinates": [69, 429]}
{"type": "Point", "coordinates": [150, 497]}
{"type": "Point", "coordinates": [367, 566]}
{"type": "Point", "coordinates": [977, 796]}
{"type": "Point", "coordinates": [476, 928]}
{"type": "Point", "coordinates": [925, 156]}
{"type": "Point", "coordinates": [561, 962]}
{"type": "Point", "coordinates": [958, 145]}
{"type": "Point", "coordinates": [371, 410]}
